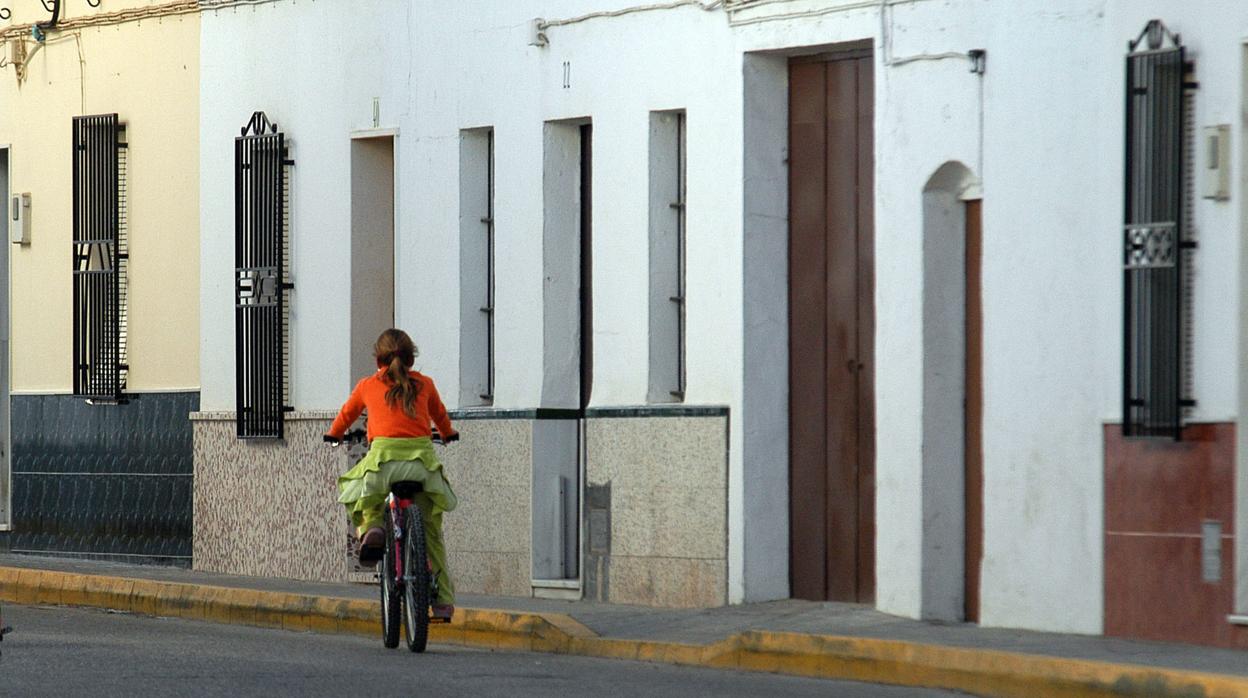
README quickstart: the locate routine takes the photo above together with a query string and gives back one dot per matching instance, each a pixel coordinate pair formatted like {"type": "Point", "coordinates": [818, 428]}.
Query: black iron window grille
{"type": "Point", "coordinates": [261, 279]}
{"type": "Point", "coordinates": [100, 258]}
{"type": "Point", "coordinates": [681, 260]}
{"type": "Point", "coordinates": [1155, 240]}
{"type": "Point", "coordinates": [668, 252]}
{"type": "Point", "coordinates": [488, 308]}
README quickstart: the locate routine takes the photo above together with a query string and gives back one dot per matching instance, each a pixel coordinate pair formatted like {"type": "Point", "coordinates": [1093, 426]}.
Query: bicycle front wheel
{"type": "Point", "coordinates": [415, 581]}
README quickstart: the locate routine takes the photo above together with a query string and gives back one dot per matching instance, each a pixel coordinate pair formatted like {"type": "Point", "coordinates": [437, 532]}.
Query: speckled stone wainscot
{"type": "Point", "coordinates": [655, 510]}
{"type": "Point", "coordinates": [664, 484]}
{"type": "Point", "coordinates": [487, 536]}
{"type": "Point", "coordinates": [268, 508]}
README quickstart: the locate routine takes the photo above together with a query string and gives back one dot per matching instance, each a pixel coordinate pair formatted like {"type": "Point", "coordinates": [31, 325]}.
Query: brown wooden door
{"type": "Point", "coordinates": [974, 428]}
{"type": "Point", "coordinates": [831, 330]}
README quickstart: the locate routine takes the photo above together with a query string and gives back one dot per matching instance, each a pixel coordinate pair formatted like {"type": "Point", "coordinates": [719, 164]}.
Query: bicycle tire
{"type": "Point", "coordinates": [416, 581]}
{"type": "Point", "coordinates": [390, 596]}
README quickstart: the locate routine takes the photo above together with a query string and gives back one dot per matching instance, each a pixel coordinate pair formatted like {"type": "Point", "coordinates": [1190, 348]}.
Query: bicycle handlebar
{"type": "Point", "coordinates": [356, 436]}
{"type": "Point", "coordinates": [352, 437]}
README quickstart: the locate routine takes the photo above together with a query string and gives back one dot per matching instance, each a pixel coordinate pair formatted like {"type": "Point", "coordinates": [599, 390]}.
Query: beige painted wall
{"type": "Point", "coordinates": [148, 73]}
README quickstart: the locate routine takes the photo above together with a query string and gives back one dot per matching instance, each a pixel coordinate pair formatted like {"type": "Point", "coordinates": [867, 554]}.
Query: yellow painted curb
{"type": "Point", "coordinates": [976, 671]}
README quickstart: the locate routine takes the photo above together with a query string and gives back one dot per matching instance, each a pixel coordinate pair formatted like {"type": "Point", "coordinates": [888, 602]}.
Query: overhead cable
{"type": "Point", "coordinates": [716, 4]}
{"type": "Point", "coordinates": [135, 14]}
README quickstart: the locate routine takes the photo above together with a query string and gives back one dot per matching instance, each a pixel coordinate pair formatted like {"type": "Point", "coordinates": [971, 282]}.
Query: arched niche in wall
{"type": "Point", "coordinates": [945, 395]}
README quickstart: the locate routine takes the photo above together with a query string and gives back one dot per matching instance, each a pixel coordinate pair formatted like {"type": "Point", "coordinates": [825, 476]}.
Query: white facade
{"type": "Point", "coordinates": [1041, 128]}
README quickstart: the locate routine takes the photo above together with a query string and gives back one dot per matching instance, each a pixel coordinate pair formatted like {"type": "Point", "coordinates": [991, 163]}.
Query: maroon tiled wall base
{"type": "Point", "coordinates": [1157, 495]}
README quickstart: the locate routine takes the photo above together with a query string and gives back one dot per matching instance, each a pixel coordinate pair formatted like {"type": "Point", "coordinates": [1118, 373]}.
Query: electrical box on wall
{"type": "Point", "coordinates": [1217, 171]}
{"type": "Point", "coordinates": [19, 219]}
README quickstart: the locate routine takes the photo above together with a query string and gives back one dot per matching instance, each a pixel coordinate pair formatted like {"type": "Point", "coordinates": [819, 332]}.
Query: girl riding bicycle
{"type": "Point", "coordinates": [401, 404]}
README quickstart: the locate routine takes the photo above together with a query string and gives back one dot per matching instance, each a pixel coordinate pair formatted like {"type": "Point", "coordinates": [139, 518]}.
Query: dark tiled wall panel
{"type": "Point", "coordinates": [103, 480]}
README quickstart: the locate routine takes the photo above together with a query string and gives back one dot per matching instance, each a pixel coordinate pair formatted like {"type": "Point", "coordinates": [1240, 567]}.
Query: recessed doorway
{"type": "Point", "coordinates": [832, 328]}
{"type": "Point", "coordinates": [372, 246]}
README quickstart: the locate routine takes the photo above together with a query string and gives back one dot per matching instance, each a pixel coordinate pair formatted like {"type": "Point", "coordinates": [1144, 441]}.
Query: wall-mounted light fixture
{"type": "Point", "coordinates": [979, 60]}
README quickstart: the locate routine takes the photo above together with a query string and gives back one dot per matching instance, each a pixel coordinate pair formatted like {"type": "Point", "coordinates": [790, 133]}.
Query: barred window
{"type": "Point", "coordinates": [100, 258]}
{"type": "Point", "coordinates": [1155, 238]}
{"type": "Point", "coordinates": [261, 279]}
{"type": "Point", "coordinates": [667, 256]}
{"type": "Point", "coordinates": [476, 270]}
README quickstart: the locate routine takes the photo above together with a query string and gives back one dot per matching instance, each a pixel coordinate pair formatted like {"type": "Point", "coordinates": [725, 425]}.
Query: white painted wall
{"type": "Point", "coordinates": [314, 68]}
{"type": "Point", "coordinates": [1041, 293]}
{"type": "Point", "coordinates": [1052, 176]}
{"type": "Point", "coordinates": [477, 69]}
{"type": "Point", "coordinates": [1049, 152]}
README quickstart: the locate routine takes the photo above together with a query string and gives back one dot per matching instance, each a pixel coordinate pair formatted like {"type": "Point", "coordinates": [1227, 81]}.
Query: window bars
{"type": "Point", "coordinates": [1154, 235]}
{"type": "Point", "coordinates": [100, 258]}
{"type": "Point", "coordinates": [488, 308]}
{"type": "Point", "coordinates": [261, 308]}
{"type": "Point", "coordinates": [681, 257]}
{"type": "Point", "coordinates": [668, 246]}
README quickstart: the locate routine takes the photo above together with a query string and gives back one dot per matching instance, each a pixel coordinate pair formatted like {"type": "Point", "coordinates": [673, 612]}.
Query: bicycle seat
{"type": "Point", "coordinates": [406, 489]}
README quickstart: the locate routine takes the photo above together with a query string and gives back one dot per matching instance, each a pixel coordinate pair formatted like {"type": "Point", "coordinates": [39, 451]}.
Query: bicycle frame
{"type": "Point", "coordinates": [396, 506]}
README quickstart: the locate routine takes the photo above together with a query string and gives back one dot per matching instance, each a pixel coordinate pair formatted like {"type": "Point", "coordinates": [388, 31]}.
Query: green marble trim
{"type": "Point", "coordinates": [530, 413]}
{"type": "Point", "coordinates": [657, 411]}
{"type": "Point", "coordinates": [592, 413]}
{"type": "Point", "coordinates": [515, 413]}
{"type": "Point", "coordinates": [229, 416]}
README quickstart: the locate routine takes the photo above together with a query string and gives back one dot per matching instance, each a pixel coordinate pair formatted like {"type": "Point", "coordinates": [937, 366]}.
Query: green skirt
{"type": "Point", "coordinates": [365, 486]}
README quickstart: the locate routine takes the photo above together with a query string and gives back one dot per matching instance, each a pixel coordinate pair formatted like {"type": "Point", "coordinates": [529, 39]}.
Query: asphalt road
{"type": "Point", "coordinates": [70, 652]}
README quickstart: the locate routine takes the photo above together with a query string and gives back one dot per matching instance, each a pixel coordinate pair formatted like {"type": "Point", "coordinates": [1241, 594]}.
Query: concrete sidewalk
{"type": "Point", "coordinates": [795, 637]}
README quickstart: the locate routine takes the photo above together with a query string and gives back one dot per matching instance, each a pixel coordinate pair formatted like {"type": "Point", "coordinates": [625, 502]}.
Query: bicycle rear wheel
{"type": "Point", "coordinates": [390, 598]}
{"type": "Point", "coordinates": [415, 581]}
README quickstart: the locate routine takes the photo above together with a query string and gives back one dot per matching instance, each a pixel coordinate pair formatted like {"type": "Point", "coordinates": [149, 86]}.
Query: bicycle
{"type": "Point", "coordinates": [406, 579]}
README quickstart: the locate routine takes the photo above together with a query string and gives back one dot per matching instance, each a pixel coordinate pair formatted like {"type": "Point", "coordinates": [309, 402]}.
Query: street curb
{"type": "Point", "coordinates": [975, 671]}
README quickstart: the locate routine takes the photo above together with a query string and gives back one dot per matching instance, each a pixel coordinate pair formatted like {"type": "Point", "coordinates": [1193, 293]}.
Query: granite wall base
{"type": "Point", "coordinates": [657, 511]}
{"type": "Point", "coordinates": [270, 509]}
{"type": "Point", "coordinates": [487, 536]}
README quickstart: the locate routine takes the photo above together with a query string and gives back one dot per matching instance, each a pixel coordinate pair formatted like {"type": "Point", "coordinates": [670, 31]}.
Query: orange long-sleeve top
{"type": "Point", "coordinates": [393, 422]}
